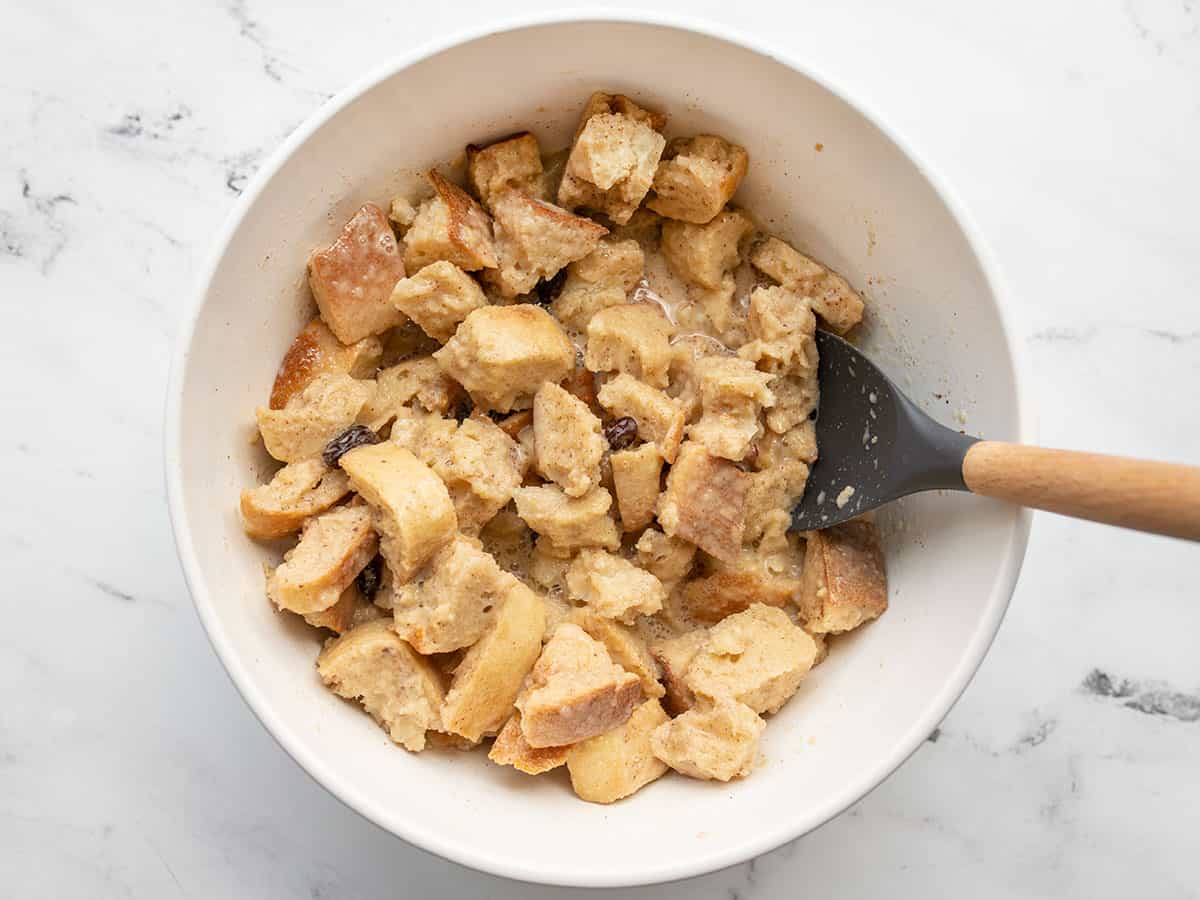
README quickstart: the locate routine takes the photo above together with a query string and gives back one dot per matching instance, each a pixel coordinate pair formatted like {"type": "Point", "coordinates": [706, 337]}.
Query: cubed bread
{"type": "Point", "coordinates": [673, 656]}
{"type": "Point", "coordinates": [352, 279]}
{"type": "Point", "coordinates": [317, 351]}
{"type": "Point", "coordinates": [659, 418]}
{"type": "Point", "coordinates": [715, 741]}
{"type": "Point", "coordinates": [795, 400]}
{"type": "Point", "coordinates": [696, 177]}
{"type": "Point", "coordinates": [624, 644]}
{"type": "Point", "coordinates": [513, 163]}
{"type": "Point", "coordinates": [413, 513]}
{"type": "Point", "coordinates": [713, 312]}
{"type": "Point", "coordinates": [613, 586]}
{"type": "Point", "coordinates": [612, 165]}
{"type": "Point", "coordinates": [704, 502]}
{"type": "Point", "coordinates": [703, 254]}
{"type": "Point", "coordinates": [450, 226]}
{"type": "Point", "coordinates": [487, 680]}
{"type": "Point", "coordinates": [334, 547]}
{"type": "Point", "coordinates": [438, 298]}
{"type": "Point", "coordinates": [400, 690]}
{"type": "Point", "coordinates": [756, 576]}
{"type": "Point", "coordinates": [482, 467]}
{"type": "Point", "coordinates": [426, 436]}
{"type": "Point", "coordinates": [845, 579]}
{"type": "Point", "coordinates": [453, 600]}
{"type": "Point", "coordinates": [839, 305]}
{"type": "Point", "coordinates": [417, 383]}
{"type": "Point", "coordinates": [575, 691]}
{"type": "Point", "coordinates": [351, 610]}
{"type": "Point", "coordinates": [312, 418]}
{"type": "Point", "coordinates": [796, 443]}
{"type": "Point", "coordinates": [619, 104]}
{"type": "Point", "coordinates": [534, 240]}
{"type": "Point", "coordinates": [569, 521]}
{"type": "Point", "coordinates": [599, 280]}
{"type": "Point", "coordinates": [503, 354]}
{"type": "Point", "coordinates": [783, 329]}
{"type": "Point", "coordinates": [296, 492]}
{"type": "Point", "coordinates": [568, 440]}
{"type": "Point", "coordinates": [637, 477]}
{"type": "Point", "coordinates": [401, 212]}
{"type": "Point", "coordinates": [757, 657]}
{"type": "Point", "coordinates": [633, 338]}
{"type": "Point", "coordinates": [669, 559]}
{"type": "Point", "coordinates": [614, 765]}
{"type": "Point", "coordinates": [511, 749]}
{"type": "Point", "coordinates": [771, 495]}
{"type": "Point", "coordinates": [733, 395]}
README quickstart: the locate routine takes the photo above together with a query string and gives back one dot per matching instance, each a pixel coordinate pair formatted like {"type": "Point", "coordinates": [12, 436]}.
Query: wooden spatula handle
{"type": "Point", "coordinates": [1163, 498]}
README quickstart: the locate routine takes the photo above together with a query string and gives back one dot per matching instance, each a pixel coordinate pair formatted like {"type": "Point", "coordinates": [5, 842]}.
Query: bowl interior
{"type": "Point", "coordinates": [821, 175]}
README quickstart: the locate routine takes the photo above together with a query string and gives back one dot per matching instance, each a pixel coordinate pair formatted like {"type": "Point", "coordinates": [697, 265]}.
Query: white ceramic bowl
{"type": "Point", "coordinates": [863, 205]}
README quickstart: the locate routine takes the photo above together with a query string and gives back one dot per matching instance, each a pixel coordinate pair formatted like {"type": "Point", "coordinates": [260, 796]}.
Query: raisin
{"type": "Point", "coordinates": [369, 579]}
{"type": "Point", "coordinates": [354, 436]}
{"type": "Point", "coordinates": [548, 289]}
{"type": "Point", "coordinates": [622, 432]}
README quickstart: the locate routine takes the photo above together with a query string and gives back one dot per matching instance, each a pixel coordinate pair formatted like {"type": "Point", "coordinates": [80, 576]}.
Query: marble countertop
{"type": "Point", "coordinates": [129, 766]}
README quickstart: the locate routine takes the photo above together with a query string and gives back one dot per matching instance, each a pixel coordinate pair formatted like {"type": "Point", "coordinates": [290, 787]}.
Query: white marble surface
{"type": "Point", "coordinates": [128, 764]}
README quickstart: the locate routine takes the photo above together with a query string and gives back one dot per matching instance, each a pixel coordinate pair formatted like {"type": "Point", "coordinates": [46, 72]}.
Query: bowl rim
{"type": "Point", "coordinates": [770, 836]}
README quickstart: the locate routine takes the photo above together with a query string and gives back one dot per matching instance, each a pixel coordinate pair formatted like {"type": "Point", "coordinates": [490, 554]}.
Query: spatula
{"type": "Point", "coordinates": [876, 445]}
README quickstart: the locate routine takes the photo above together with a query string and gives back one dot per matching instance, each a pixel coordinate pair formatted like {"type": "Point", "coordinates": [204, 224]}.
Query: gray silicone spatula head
{"type": "Point", "coordinates": [874, 443]}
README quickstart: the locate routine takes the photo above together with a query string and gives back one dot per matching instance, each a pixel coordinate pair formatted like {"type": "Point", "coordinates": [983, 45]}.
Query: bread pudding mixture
{"type": "Point", "coordinates": [539, 450]}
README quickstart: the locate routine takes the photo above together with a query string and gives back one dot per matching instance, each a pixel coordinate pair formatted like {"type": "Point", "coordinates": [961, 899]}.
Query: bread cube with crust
{"type": "Point", "coordinates": [696, 177]}
{"type": "Point", "coordinates": [669, 559]}
{"type": "Point", "coordinates": [317, 351]}
{"type": "Point", "coordinates": [599, 280]}
{"type": "Point", "coordinates": [673, 656]}
{"type": "Point", "coordinates": [756, 576]}
{"type": "Point", "coordinates": [634, 338]}
{"type": "Point", "coordinates": [453, 600]}
{"type": "Point", "coordinates": [438, 298]}
{"type": "Point", "coordinates": [618, 104]}
{"type": "Point", "coordinates": [637, 476]}
{"type": "Point", "coordinates": [503, 354]}
{"type": "Point", "coordinates": [796, 399]}
{"type": "Point", "coordinates": [412, 510]}
{"type": "Point", "coordinates": [569, 522]}
{"type": "Point", "coordinates": [425, 435]}
{"type": "Point", "coordinates": [711, 741]}
{"type": "Point", "coordinates": [568, 440]}
{"type": "Point", "coordinates": [659, 418]}
{"type": "Point", "coordinates": [352, 279]}
{"type": "Point", "coordinates": [351, 610]}
{"type": "Point", "coordinates": [450, 226]}
{"type": "Point", "coordinates": [705, 501]}
{"type": "Point", "coordinates": [415, 384]}
{"type": "Point", "coordinates": [703, 254]}
{"type": "Point", "coordinates": [756, 657]}
{"type": "Point", "coordinates": [486, 682]}
{"type": "Point", "coordinates": [845, 578]}
{"type": "Point", "coordinates": [783, 329]}
{"type": "Point", "coordinates": [401, 213]}
{"type": "Point", "coordinates": [613, 586]}
{"type": "Point", "coordinates": [614, 765]}
{"type": "Point", "coordinates": [513, 163]}
{"type": "Point", "coordinates": [295, 493]}
{"type": "Point", "coordinates": [613, 159]}
{"type": "Point", "coordinates": [624, 644]}
{"type": "Point", "coordinates": [401, 691]}
{"type": "Point", "coordinates": [312, 418]}
{"type": "Point", "coordinates": [575, 691]}
{"type": "Point", "coordinates": [511, 749]}
{"type": "Point", "coordinates": [733, 395]}
{"type": "Point", "coordinates": [334, 547]}
{"type": "Point", "coordinates": [534, 240]}
{"type": "Point", "coordinates": [481, 467]}
{"type": "Point", "coordinates": [839, 305]}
